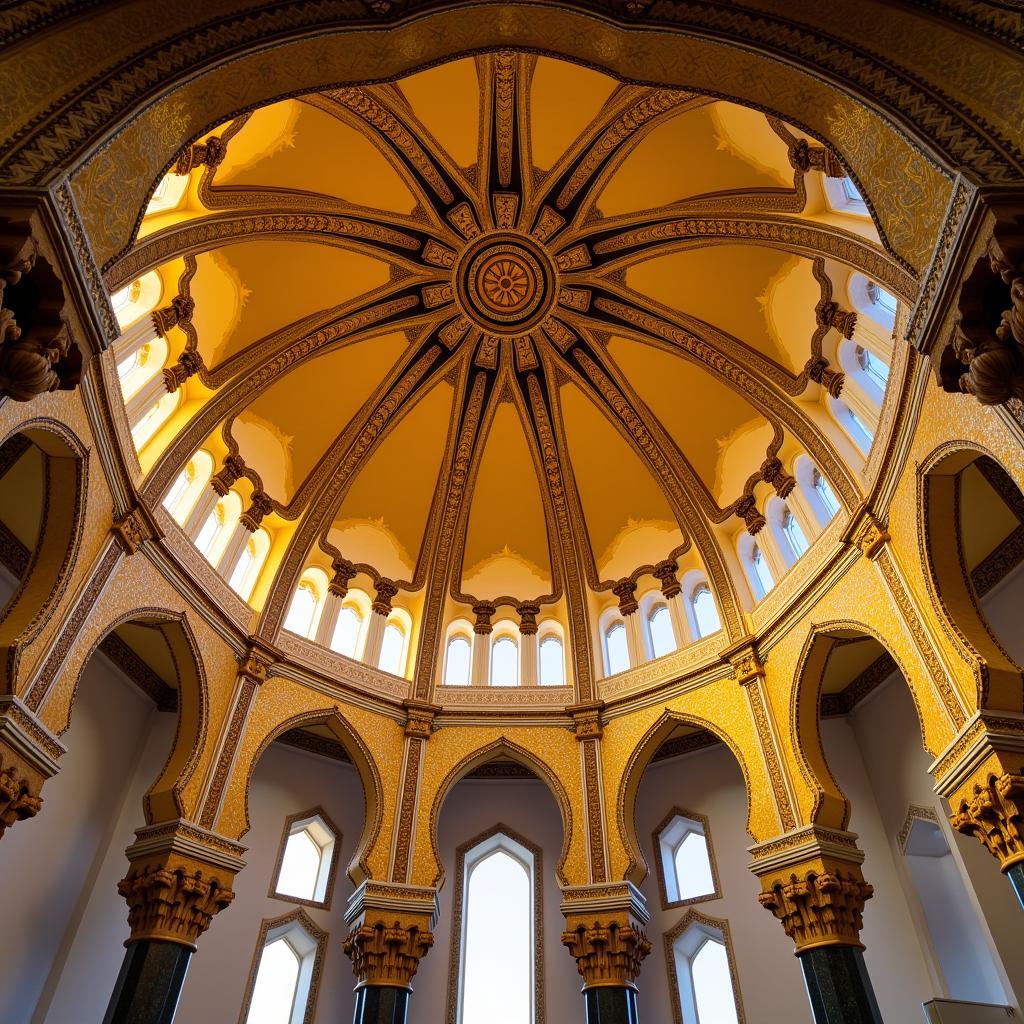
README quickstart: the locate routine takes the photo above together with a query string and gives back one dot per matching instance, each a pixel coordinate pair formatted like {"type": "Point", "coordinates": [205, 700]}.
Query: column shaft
{"type": "Point", "coordinates": [677, 613]}
{"type": "Point", "coordinates": [1016, 876]}
{"type": "Point", "coordinates": [149, 985]}
{"type": "Point", "coordinates": [145, 398]}
{"type": "Point", "coordinates": [374, 637]}
{"type": "Point", "coordinates": [635, 640]}
{"type": "Point", "coordinates": [328, 619]}
{"type": "Point", "coordinates": [381, 1004]}
{"type": "Point", "coordinates": [480, 674]}
{"type": "Point", "coordinates": [838, 986]}
{"type": "Point", "coordinates": [205, 504]}
{"type": "Point", "coordinates": [610, 1005]}
{"type": "Point", "coordinates": [528, 660]}
{"type": "Point", "coordinates": [132, 338]}
{"type": "Point", "coordinates": [233, 550]}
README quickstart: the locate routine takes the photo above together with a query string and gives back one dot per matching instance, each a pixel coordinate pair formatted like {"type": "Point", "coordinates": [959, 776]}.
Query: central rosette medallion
{"type": "Point", "coordinates": [505, 282]}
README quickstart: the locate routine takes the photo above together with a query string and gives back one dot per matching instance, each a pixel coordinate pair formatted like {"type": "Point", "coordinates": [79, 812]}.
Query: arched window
{"type": "Point", "coordinates": [188, 485]}
{"type": "Point", "coordinates": [793, 533]}
{"type": "Point", "coordinates": [762, 574]}
{"type": "Point", "coordinates": [686, 872]}
{"type": "Point", "coordinates": [505, 662]}
{"type": "Point", "coordinates": [859, 432]}
{"type": "Point", "coordinates": [392, 649]}
{"type": "Point", "coordinates": [302, 610]}
{"type": "Point", "coordinates": [213, 525]}
{"type": "Point", "coordinates": [179, 487]}
{"type": "Point", "coordinates": [663, 638]}
{"type": "Point", "coordinates": [552, 662]}
{"type": "Point", "coordinates": [706, 989]}
{"type": "Point", "coordinates": [154, 419]}
{"type": "Point", "coordinates": [884, 300]}
{"type": "Point", "coordinates": [306, 859]}
{"type": "Point", "coordinates": [824, 491]}
{"type": "Point", "coordinates": [458, 661]}
{"type": "Point", "coordinates": [497, 980]}
{"type": "Point", "coordinates": [705, 612]}
{"type": "Point", "coordinates": [616, 648]}
{"type": "Point", "coordinates": [851, 191]}
{"type": "Point", "coordinates": [168, 193]}
{"type": "Point", "coordinates": [136, 299]}
{"type": "Point", "coordinates": [876, 370]}
{"type": "Point", "coordinates": [247, 568]}
{"type": "Point", "coordinates": [346, 631]}
{"type": "Point", "coordinates": [282, 987]}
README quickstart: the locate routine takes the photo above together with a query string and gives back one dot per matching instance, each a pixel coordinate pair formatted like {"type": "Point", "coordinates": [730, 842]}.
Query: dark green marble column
{"type": "Point", "coordinates": [149, 984]}
{"type": "Point", "coordinates": [838, 986]}
{"type": "Point", "coordinates": [381, 1004]}
{"type": "Point", "coordinates": [610, 1004]}
{"type": "Point", "coordinates": [1016, 876]}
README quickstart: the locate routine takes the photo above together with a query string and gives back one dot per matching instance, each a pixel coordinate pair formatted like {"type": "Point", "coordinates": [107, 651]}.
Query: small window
{"type": "Point", "coordinates": [825, 493]}
{"type": "Point", "coordinates": [213, 525]}
{"type": "Point", "coordinates": [505, 662]}
{"type": "Point", "coordinates": [181, 484]}
{"type": "Point", "coordinates": [304, 869]}
{"type": "Point", "coordinates": [762, 573]}
{"type": "Point", "coordinates": [617, 649]}
{"type": "Point", "coordinates": [346, 632]}
{"type": "Point", "coordinates": [872, 366]}
{"type": "Point", "coordinates": [706, 990]}
{"type": "Point", "coordinates": [705, 612]}
{"type": "Point", "coordinates": [302, 610]}
{"type": "Point", "coordinates": [686, 872]}
{"type": "Point", "coordinates": [663, 638]}
{"type": "Point", "coordinates": [285, 976]}
{"type": "Point", "coordinates": [793, 533]}
{"type": "Point", "coordinates": [154, 419]}
{"type": "Point", "coordinates": [885, 300]}
{"type": "Point", "coordinates": [552, 662]}
{"type": "Point", "coordinates": [457, 662]}
{"type": "Point", "coordinates": [188, 485]}
{"type": "Point", "coordinates": [851, 191]}
{"type": "Point", "coordinates": [247, 568]}
{"type": "Point", "coordinates": [391, 649]}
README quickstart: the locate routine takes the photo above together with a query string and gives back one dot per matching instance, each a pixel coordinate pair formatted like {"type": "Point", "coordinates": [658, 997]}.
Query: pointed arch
{"type": "Point", "coordinates": [503, 748]}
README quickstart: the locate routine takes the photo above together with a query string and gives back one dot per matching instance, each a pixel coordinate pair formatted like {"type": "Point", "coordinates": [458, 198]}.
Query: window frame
{"type": "Point", "coordinates": [331, 869]}
{"type": "Point", "coordinates": [547, 633]}
{"type": "Point", "coordinates": [458, 634]}
{"type": "Point", "coordinates": [455, 972]}
{"type": "Point", "coordinates": [691, 918]}
{"type": "Point", "coordinates": [659, 859]}
{"type": "Point", "coordinates": [283, 925]}
{"type": "Point", "coordinates": [608, 625]}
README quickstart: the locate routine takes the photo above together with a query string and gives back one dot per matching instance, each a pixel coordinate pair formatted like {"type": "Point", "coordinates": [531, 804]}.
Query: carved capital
{"type": "Point", "coordinates": [178, 313]}
{"type": "Point", "coordinates": [260, 506]}
{"type": "Point", "coordinates": [228, 474]}
{"type": "Point", "coordinates": [254, 665]}
{"type": "Point", "coordinates": [625, 591]}
{"type": "Point", "coordinates": [745, 508]}
{"type": "Point", "coordinates": [419, 720]}
{"type": "Point", "coordinates": [773, 473]}
{"type": "Point", "coordinates": [189, 363]}
{"type": "Point", "coordinates": [344, 573]}
{"type": "Point", "coordinates": [746, 665]}
{"type": "Point", "coordinates": [388, 950]}
{"type": "Point", "coordinates": [994, 814]}
{"type": "Point", "coordinates": [819, 903]}
{"type": "Point", "coordinates": [28, 757]}
{"type": "Point", "coordinates": [384, 590]}
{"type": "Point", "coordinates": [483, 612]}
{"type": "Point", "coordinates": [528, 612]}
{"type": "Point", "coordinates": [201, 154]}
{"type": "Point", "coordinates": [869, 534]}
{"type": "Point", "coordinates": [829, 314]}
{"type": "Point", "coordinates": [821, 373]}
{"type": "Point", "coordinates": [665, 574]}
{"type": "Point", "coordinates": [19, 789]}
{"type": "Point", "coordinates": [804, 156]}
{"type": "Point", "coordinates": [607, 951]}
{"type": "Point", "coordinates": [587, 722]}
{"type": "Point", "coordinates": [132, 529]}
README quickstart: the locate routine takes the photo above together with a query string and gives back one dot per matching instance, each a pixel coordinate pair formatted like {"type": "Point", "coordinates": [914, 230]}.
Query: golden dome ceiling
{"type": "Point", "coordinates": [507, 331]}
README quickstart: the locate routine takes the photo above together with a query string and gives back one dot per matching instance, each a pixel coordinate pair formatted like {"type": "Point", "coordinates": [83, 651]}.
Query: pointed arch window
{"type": "Point", "coordinates": [663, 637]}
{"type": "Point", "coordinates": [616, 648]}
{"type": "Point", "coordinates": [497, 879]}
{"type": "Point", "coordinates": [705, 611]}
{"type": "Point", "coordinates": [552, 662]}
{"type": "Point", "coordinates": [346, 631]}
{"type": "Point", "coordinates": [458, 661]}
{"type": "Point", "coordinates": [793, 533]}
{"type": "Point", "coordinates": [686, 868]}
{"type": "Point", "coordinates": [706, 987]}
{"type": "Point", "coordinates": [505, 662]}
{"type": "Point", "coordinates": [305, 861]}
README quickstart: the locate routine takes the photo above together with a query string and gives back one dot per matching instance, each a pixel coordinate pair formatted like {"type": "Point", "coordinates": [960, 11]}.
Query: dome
{"type": "Point", "coordinates": [507, 345]}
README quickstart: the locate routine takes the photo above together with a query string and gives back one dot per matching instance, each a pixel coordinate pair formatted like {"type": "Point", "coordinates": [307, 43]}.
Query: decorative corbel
{"type": "Point", "coordinates": [587, 721]}
{"type": "Point", "coordinates": [804, 156]}
{"type": "Point", "coordinates": [134, 528]}
{"type": "Point", "coordinates": [344, 573]}
{"type": "Point", "coordinates": [745, 508]}
{"type": "Point", "coordinates": [201, 154]}
{"type": "Point", "coordinates": [868, 533]}
{"type": "Point", "coordinates": [773, 473]}
{"type": "Point", "coordinates": [665, 573]}
{"type": "Point", "coordinates": [260, 506]}
{"type": "Point", "coordinates": [625, 591]}
{"type": "Point", "coordinates": [419, 718]}
{"type": "Point", "coordinates": [819, 371]}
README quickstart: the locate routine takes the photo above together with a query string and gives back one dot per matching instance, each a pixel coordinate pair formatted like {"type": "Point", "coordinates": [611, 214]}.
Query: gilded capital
{"type": "Point", "coordinates": [993, 813]}
{"type": "Point", "coordinates": [388, 952]}
{"type": "Point", "coordinates": [607, 951]}
{"type": "Point", "coordinates": [29, 754]}
{"type": "Point", "coordinates": [419, 721]}
{"type": "Point", "coordinates": [665, 574]}
{"type": "Point", "coordinates": [483, 612]}
{"type": "Point", "coordinates": [625, 591]}
{"type": "Point", "coordinates": [19, 791]}
{"type": "Point", "coordinates": [344, 573]}
{"type": "Point", "coordinates": [385, 591]}
{"type": "Point", "coordinates": [746, 509]}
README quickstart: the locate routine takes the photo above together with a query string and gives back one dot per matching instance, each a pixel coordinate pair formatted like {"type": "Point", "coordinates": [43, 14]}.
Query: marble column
{"type": "Point", "coordinates": [625, 591]}
{"type": "Point", "coordinates": [481, 657]}
{"type": "Point", "coordinates": [811, 881]}
{"type": "Point", "coordinates": [529, 655]}
{"type": "Point", "coordinates": [178, 879]}
{"type": "Point", "coordinates": [337, 589]}
{"type": "Point", "coordinates": [391, 931]}
{"type": "Point", "coordinates": [604, 934]}
{"type": "Point", "coordinates": [380, 610]}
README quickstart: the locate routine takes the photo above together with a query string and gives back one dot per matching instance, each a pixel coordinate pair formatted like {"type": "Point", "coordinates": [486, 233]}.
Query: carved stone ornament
{"type": "Point", "coordinates": [344, 573]}
{"type": "Point", "coordinates": [994, 814]}
{"type": "Point", "coordinates": [607, 952]}
{"type": "Point", "coordinates": [188, 365]}
{"type": "Point", "coordinates": [385, 591]}
{"type": "Point", "coordinates": [665, 574]}
{"type": "Point", "coordinates": [830, 315]}
{"type": "Point", "coordinates": [37, 352]}
{"type": "Point", "coordinates": [131, 530]}
{"type": "Point", "coordinates": [625, 591]}
{"type": "Point", "coordinates": [773, 473]}
{"type": "Point", "coordinates": [483, 612]}
{"type": "Point", "coordinates": [19, 791]}
{"type": "Point", "coordinates": [254, 665]}
{"type": "Point", "coordinates": [173, 896]}
{"type": "Point", "coordinates": [746, 666]}
{"type": "Point", "coordinates": [746, 509]}
{"type": "Point", "coordinates": [869, 535]}
{"type": "Point", "coordinates": [586, 720]}
{"type": "Point", "coordinates": [260, 506]}
{"type": "Point", "coordinates": [178, 313]}
{"type": "Point", "coordinates": [419, 721]}
{"type": "Point", "coordinates": [528, 612]}
{"type": "Point", "coordinates": [985, 356]}
{"type": "Point", "coordinates": [228, 474]}
{"type": "Point", "coordinates": [804, 156]}
{"type": "Point", "coordinates": [201, 154]}
{"type": "Point", "coordinates": [820, 905]}
{"type": "Point", "coordinates": [821, 373]}
{"type": "Point", "coordinates": [388, 952]}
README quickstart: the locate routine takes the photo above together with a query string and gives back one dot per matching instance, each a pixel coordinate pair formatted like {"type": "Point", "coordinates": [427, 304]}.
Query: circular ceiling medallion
{"type": "Point", "coordinates": [505, 283]}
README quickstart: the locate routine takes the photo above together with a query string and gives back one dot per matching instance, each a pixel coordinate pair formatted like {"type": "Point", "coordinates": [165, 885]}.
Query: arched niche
{"type": "Point", "coordinates": [43, 487]}
{"type": "Point", "coordinates": [972, 528]}
{"type": "Point", "coordinates": [336, 725]}
{"type": "Point", "coordinates": [503, 750]}
{"type": "Point", "coordinates": [840, 661]}
{"type": "Point", "coordinates": [158, 650]}
{"type": "Point", "coordinates": [671, 725]}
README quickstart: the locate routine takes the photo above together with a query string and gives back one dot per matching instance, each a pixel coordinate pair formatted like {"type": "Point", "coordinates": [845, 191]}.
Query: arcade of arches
{"type": "Point", "coordinates": [507, 500]}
